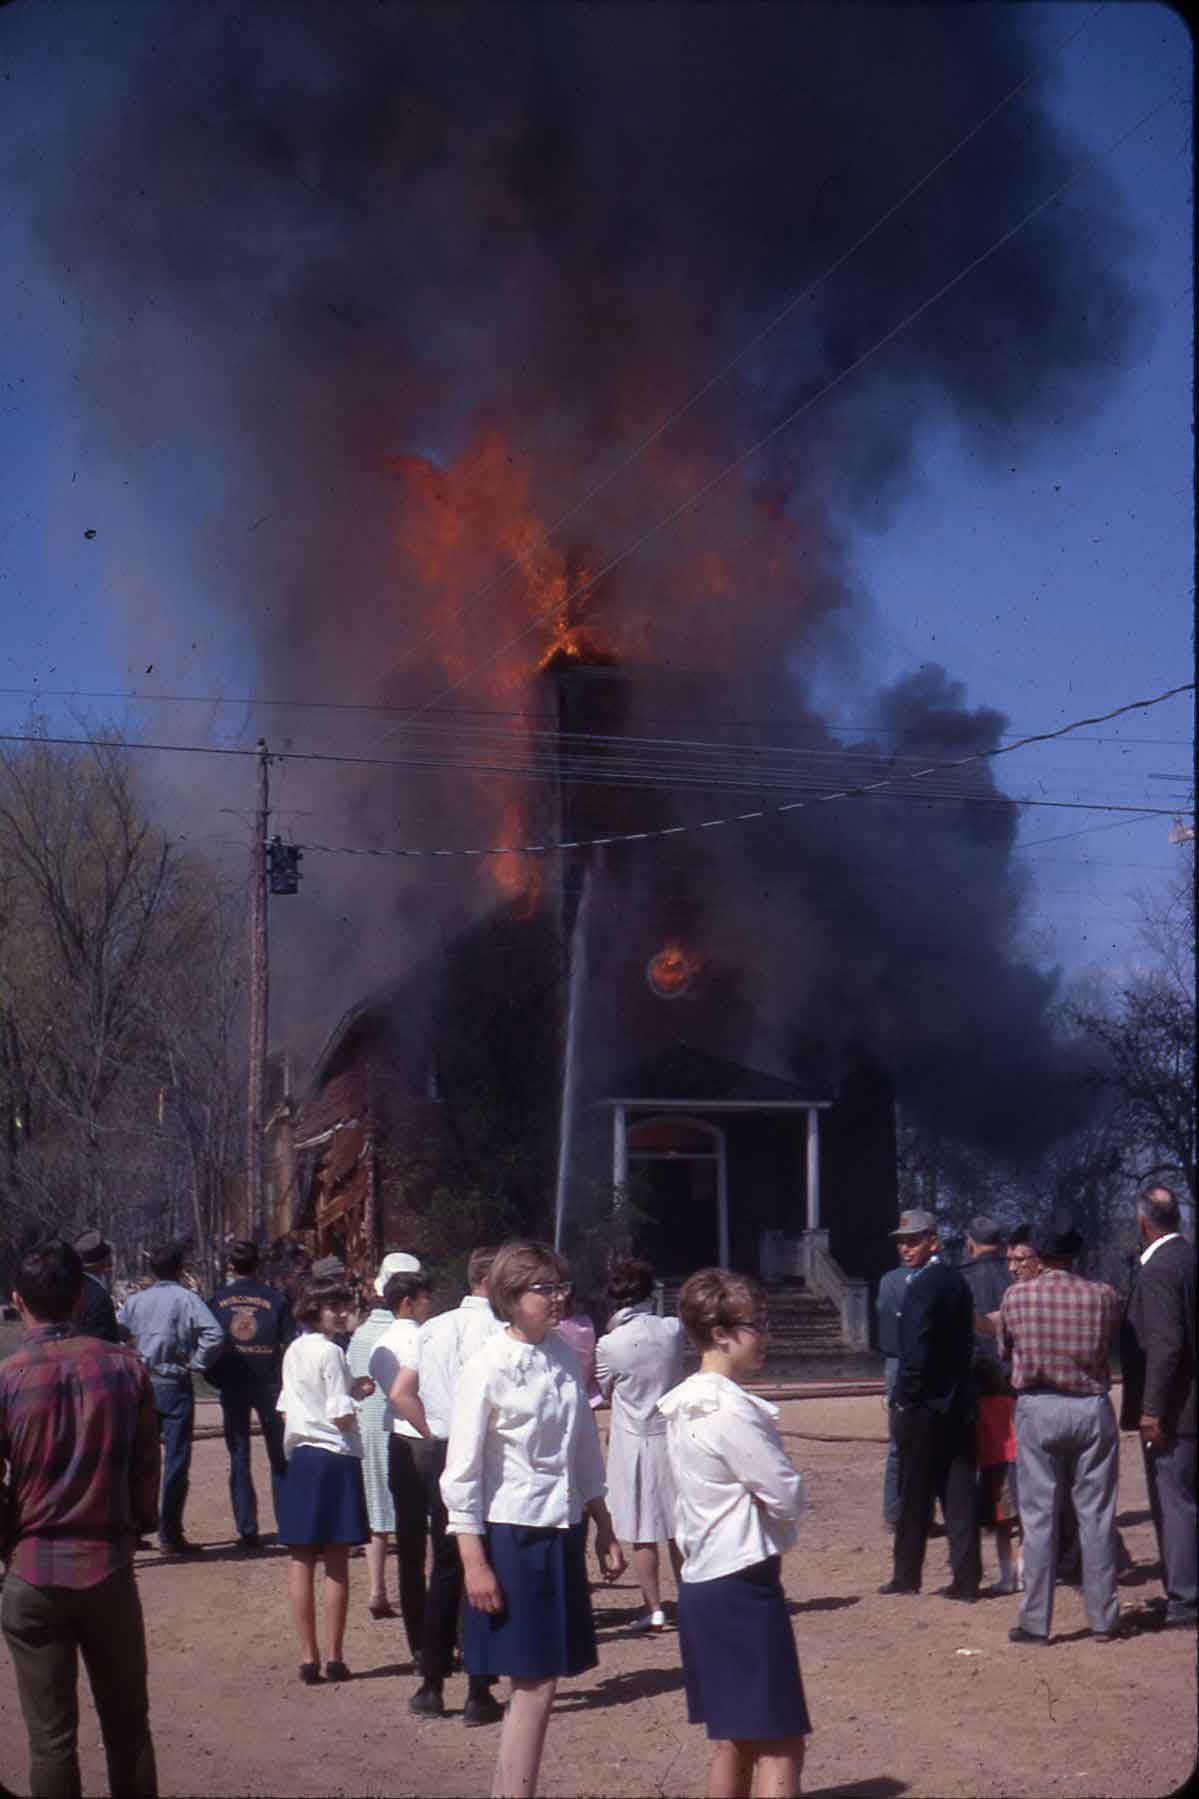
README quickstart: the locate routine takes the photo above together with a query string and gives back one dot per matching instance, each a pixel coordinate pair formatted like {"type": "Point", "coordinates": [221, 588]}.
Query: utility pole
{"type": "Point", "coordinates": [259, 1002]}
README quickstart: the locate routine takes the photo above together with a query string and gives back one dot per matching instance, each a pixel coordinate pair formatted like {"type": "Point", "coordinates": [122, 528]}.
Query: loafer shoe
{"type": "Point", "coordinates": [481, 1709]}
{"type": "Point", "coordinates": [953, 1591]}
{"type": "Point", "coordinates": [310, 1673]}
{"type": "Point", "coordinates": [427, 1702]}
{"type": "Point", "coordinates": [181, 1546]}
{"type": "Point", "coordinates": [1018, 1634]}
{"type": "Point", "coordinates": [336, 1671]}
{"type": "Point", "coordinates": [897, 1586]}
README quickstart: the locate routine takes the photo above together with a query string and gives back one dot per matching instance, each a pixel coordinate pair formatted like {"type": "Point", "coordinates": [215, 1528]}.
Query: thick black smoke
{"type": "Point", "coordinates": [310, 238]}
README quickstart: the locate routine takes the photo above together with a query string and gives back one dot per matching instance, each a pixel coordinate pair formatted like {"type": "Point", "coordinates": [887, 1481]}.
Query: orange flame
{"type": "Point", "coordinates": [463, 526]}
{"type": "Point", "coordinates": [519, 877]}
{"type": "Point", "coordinates": [671, 971]}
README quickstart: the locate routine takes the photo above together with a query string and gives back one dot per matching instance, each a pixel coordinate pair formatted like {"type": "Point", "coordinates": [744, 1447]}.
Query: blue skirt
{"type": "Point", "coordinates": [546, 1628]}
{"type": "Point", "coordinates": [321, 1499]}
{"type": "Point", "coordinates": [740, 1665]}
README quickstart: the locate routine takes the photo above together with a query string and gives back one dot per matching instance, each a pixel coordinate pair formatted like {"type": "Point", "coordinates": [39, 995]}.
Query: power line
{"type": "Point", "coordinates": [339, 759]}
{"type": "Point", "coordinates": [262, 701]}
{"type": "Point", "coordinates": [542, 849]}
{"type": "Point", "coordinates": [784, 424]}
{"type": "Point", "coordinates": [1086, 831]}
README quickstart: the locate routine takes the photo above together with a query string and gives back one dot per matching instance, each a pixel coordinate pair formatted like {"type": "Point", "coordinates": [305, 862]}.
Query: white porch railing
{"type": "Point", "coordinates": [808, 1258]}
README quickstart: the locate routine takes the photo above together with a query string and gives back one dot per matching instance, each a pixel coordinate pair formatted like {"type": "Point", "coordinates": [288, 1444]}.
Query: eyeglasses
{"type": "Point", "coordinates": [552, 1289]}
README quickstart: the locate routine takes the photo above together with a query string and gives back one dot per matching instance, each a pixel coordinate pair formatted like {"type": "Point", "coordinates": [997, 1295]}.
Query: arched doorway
{"type": "Point", "coordinates": [679, 1189]}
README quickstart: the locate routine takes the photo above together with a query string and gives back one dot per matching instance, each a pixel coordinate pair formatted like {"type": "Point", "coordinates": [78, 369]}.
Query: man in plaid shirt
{"type": "Point", "coordinates": [1057, 1330]}
{"type": "Point", "coordinates": [79, 1464]}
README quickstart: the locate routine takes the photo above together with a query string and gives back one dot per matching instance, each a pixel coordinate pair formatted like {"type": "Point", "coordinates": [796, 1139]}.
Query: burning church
{"type": "Point", "coordinates": [538, 372]}
{"type": "Point", "coordinates": [572, 1062]}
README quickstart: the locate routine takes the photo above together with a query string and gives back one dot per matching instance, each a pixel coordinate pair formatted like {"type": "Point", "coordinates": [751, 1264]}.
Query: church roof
{"type": "Point", "coordinates": [694, 1076]}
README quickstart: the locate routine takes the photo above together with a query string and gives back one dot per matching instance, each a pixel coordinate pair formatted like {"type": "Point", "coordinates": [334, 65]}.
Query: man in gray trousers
{"type": "Point", "coordinates": [1058, 1330]}
{"type": "Point", "coordinates": [1157, 1352]}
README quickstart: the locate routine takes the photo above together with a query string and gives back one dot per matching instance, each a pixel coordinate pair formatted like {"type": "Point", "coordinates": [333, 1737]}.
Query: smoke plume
{"type": "Point", "coordinates": [375, 294]}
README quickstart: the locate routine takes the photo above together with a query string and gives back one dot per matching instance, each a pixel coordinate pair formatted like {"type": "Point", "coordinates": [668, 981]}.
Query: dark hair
{"type": "Point", "coordinates": [518, 1266]}
{"type": "Point", "coordinates": [166, 1262]}
{"type": "Point", "coordinates": [409, 1284]}
{"type": "Point", "coordinates": [479, 1266]}
{"type": "Point", "coordinates": [717, 1297]}
{"type": "Point", "coordinates": [630, 1280]}
{"type": "Point", "coordinates": [1019, 1233]}
{"type": "Point", "coordinates": [50, 1280]}
{"type": "Point", "coordinates": [1164, 1214]}
{"type": "Point", "coordinates": [319, 1292]}
{"type": "Point", "coordinates": [243, 1256]}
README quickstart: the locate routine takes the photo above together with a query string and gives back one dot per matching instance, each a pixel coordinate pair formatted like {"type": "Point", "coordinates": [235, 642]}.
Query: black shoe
{"type": "Point", "coordinates": [310, 1673]}
{"type": "Point", "coordinates": [1018, 1634]}
{"type": "Point", "coordinates": [953, 1591]}
{"type": "Point", "coordinates": [481, 1708]}
{"type": "Point", "coordinates": [181, 1546]}
{"type": "Point", "coordinates": [427, 1701]}
{"type": "Point", "coordinates": [897, 1586]}
{"type": "Point", "coordinates": [1117, 1635]}
{"type": "Point", "coordinates": [336, 1671]}
{"type": "Point", "coordinates": [249, 1539]}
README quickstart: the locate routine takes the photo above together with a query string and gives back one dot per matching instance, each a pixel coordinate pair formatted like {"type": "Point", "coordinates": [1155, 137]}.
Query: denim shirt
{"type": "Point", "coordinates": [171, 1328]}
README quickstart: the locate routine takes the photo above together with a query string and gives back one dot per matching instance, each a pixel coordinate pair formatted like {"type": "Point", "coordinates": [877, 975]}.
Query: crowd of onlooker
{"type": "Point", "coordinates": [469, 1439]}
{"type": "Point", "coordinates": [998, 1376]}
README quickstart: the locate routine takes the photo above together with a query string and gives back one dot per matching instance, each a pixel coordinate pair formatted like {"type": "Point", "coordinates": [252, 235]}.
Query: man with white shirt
{"type": "Point", "coordinates": [408, 1297]}
{"type": "Point", "coordinates": [1157, 1353]}
{"type": "Point", "coordinates": [426, 1395]}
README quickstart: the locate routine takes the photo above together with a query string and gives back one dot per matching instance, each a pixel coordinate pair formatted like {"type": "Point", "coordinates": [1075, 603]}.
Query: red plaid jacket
{"type": "Point", "coordinates": [1058, 1331]}
{"type": "Point", "coordinates": [79, 1457]}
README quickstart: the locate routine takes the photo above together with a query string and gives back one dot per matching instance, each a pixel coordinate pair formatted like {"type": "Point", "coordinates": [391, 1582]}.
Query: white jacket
{"type": "Point", "coordinates": [523, 1445]}
{"type": "Point", "coordinates": [738, 1495]}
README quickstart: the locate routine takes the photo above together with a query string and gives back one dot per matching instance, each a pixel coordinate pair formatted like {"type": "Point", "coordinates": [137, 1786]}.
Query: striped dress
{"type": "Point", "coordinates": [373, 1421]}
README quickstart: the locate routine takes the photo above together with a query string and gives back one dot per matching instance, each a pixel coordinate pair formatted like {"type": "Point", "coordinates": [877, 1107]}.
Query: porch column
{"type": "Point", "coordinates": [812, 1146]}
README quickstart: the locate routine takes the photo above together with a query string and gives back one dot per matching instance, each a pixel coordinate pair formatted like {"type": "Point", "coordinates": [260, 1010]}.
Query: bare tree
{"type": "Point", "coordinates": [1143, 1030]}
{"type": "Point", "coordinates": [118, 997]}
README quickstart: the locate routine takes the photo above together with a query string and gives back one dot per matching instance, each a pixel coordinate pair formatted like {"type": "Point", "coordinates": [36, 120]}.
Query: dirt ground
{"type": "Point", "coordinates": [908, 1696]}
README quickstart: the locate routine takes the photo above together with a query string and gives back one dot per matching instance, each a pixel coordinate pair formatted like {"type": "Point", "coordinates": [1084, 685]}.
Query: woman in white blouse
{"type": "Point", "coordinates": [639, 1359]}
{"type": "Point", "coordinates": [523, 1466]}
{"type": "Point", "coordinates": [738, 1499]}
{"type": "Point", "coordinates": [321, 1505]}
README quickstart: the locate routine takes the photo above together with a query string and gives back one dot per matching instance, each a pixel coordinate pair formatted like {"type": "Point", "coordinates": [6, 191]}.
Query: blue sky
{"type": "Point", "coordinates": [1055, 585]}
{"type": "Point", "coordinates": [1063, 587]}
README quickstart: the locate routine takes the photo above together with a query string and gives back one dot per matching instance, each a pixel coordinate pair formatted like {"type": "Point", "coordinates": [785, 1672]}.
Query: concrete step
{"type": "Point", "coordinates": [804, 1327]}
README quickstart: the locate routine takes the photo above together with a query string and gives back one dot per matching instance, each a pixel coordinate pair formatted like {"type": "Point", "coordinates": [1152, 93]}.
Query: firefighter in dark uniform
{"type": "Point", "coordinates": [258, 1326]}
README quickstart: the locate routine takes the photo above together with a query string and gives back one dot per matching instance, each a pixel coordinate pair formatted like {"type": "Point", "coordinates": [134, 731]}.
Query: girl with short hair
{"type": "Point", "coordinates": [321, 1508]}
{"type": "Point", "coordinates": [523, 1467]}
{"type": "Point", "coordinates": [738, 1499]}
